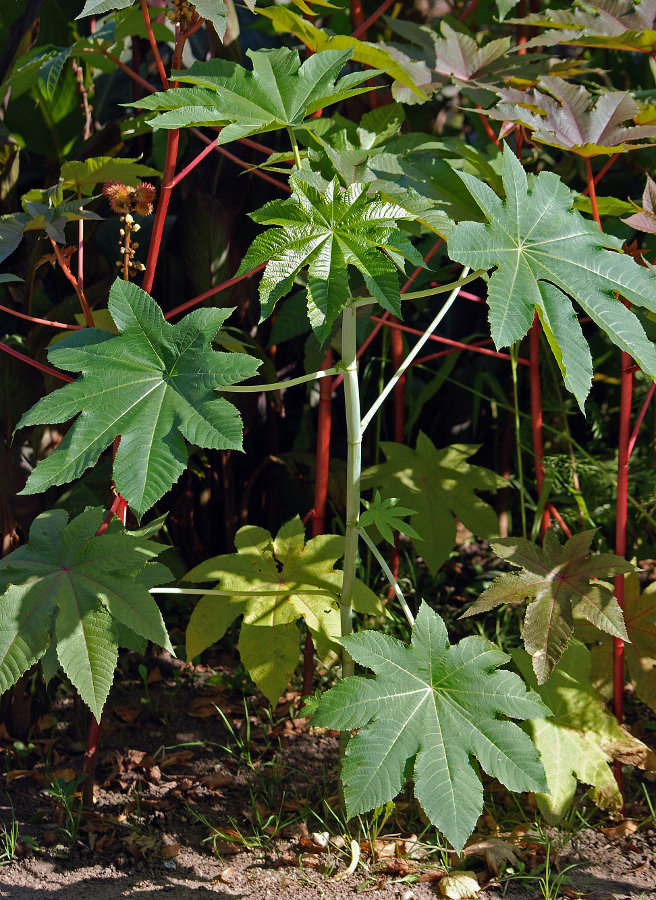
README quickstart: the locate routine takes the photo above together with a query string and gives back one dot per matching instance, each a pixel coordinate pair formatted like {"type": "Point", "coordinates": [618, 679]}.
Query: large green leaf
{"type": "Point", "coordinates": [568, 116]}
{"type": "Point", "coordinates": [438, 705]}
{"type": "Point", "coordinates": [558, 580]}
{"type": "Point", "coordinates": [72, 588]}
{"type": "Point", "coordinates": [329, 232]}
{"type": "Point", "coordinates": [273, 583]}
{"type": "Point", "coordinates": [278, 93]}
{"type": "Point", "coordinates": [544, 253]}
{"type": "Point", "coordinates": [581, 739]}
{"type": "Point", "coordinates": [151, 384]}
{"type": "Point", "coordinates": [640, 655]}
{"type": "Point", "coordinates": [438, 484]}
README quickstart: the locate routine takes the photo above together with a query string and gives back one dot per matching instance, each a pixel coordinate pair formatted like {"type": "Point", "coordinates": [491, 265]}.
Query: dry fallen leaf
{"type": "Point", "coordinates": [459, 886]}
{"type": "Point", "coordinates": [495, 852]}
{"type": "Point", "coordinates": [628, 826]}
{"type": "Point", "coordinates": [126, 713]}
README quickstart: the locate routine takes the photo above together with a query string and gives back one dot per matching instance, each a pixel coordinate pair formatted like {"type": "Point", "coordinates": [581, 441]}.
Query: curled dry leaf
{"type": "Point", "coordinates": [459, 885]}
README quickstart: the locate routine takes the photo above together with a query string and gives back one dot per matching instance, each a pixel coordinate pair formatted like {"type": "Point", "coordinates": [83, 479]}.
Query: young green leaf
{"type": "Point", "coordinates": [278, 93]}
{"type": "Point", "coordinates": [581, 740]}
{"type": "Point", "coordinates": [558, 580]}
{"type": "Point", "coordinates": [439, 484]}
{"type": "Point", "coordinates": [568, 116]}
{"type": "Point", "coordinates": [387, 516]}
{"type": "Point", "coordinates": [438, 705]}
{"type": "Point", "coordinates": [273, 583]}
{"type": "Point", "coordinates": [72, 588]}
{"type": "Point", "coordinates": [329, 232]}
{"type": "Point", "coordinates": [152, 384]}
{"type": "Point", "coordinates": [84, 175]}
{"type": "Point", "coordinates": [640, 655]}
{"type": "Point", "coordinates": [544, 252]}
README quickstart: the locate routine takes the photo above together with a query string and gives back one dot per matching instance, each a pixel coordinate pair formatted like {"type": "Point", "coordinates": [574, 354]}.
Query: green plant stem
{"type": "Point", "coordinates": [219, 593]}
{"type": "Point", "coordinates": [353, 470]}
{"type": "Point", "coordinates": [294, 142]}
{"type": "Point", "coordinates": [428, 292]}
{"type": "Point", "coordinates": [278, 385]}
{"type": "Point", "coordinates": [388, 574]}
{"type": "Point", "coordinates": [407, 362]}
{"type": "Point", "coordinates": [514, 354]}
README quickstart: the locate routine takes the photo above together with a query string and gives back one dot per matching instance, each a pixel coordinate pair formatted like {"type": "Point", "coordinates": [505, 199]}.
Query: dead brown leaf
{"type": "Point", "coordinates": [628, 826]}
{"type": "Point", "coordinates": [126, 713]}
{"type": "Point", "coordinates": [495, 851]}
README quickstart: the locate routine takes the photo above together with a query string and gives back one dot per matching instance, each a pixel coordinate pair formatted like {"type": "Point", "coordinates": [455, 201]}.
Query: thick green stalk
{"type": "Point", "coordinates": [353, 470]}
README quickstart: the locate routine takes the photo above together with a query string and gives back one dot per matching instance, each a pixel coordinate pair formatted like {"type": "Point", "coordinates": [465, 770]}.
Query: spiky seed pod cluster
{"type": "Point", "coordinates": [126, 200]}
{"type": "Point", "coordinates": [182, 12]}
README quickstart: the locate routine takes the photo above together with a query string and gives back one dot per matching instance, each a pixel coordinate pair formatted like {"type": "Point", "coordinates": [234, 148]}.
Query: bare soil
{"type": "Point", "coordinates": [186, 808]}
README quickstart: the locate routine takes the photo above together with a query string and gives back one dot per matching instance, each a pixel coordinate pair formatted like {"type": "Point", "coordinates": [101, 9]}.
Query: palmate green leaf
{"type": "Point", "coordinates": [544, 253]}
{"type": "Point", "coordinates": [439, 484]}
{"type": "Point", "coordinates": [558, 580]}
{"type": "Point", "coordinates": [618, 24]}
{"type": "Point", "coordinates": [570, 117]}
{"type": "Point", "coordinates": [387, 516]}
{"type": "Point", "coordinates": [81, 593]}
{"type": "Point", "coordinates": [273, 583]}
{"type": "Point", "coordinates": [154, 384]}
{"type": "Point", "coordinates": [581, 740]}
{"type": "Point", "coordinates": [327, 233]}
{"type": "Point", "coordinates": [278, 93]}
{"type": "Point", "coordinates": [436, 705]}
{"type": "Point", "coordinates": [84, 175]}
{"type": "Point", "coordinates": [639, 655]}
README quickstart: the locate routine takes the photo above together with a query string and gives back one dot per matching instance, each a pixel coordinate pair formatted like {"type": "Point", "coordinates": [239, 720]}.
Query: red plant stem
{"type": "Point", "coordinates": [622, 502]}
{"type": "Point", "coordinates": [557, 516]}
{"type": "Point", "coordinates": [63, 265]}
{"type": "Point", "coordinates": [536, 417]}
{"type": "Point", "coordinates": [448, 341]}
{"type": "Point", "coordinates": [396, 346]}
{"type": "Point", "coordinates": [424, 359]}
{"type": "Point", "coordinates": [240, 162]}
{"type": "Point", "coordinates": [170, 160]}
{"type": "Point", "coordinates": [357, 16]}
{"type": "Point", "coordinates": [641, 416]}
{"type": "Point", "coordinates": [36, 321]}
{"type": "Point", "coordinates": [192, 165]}
{"type": "Point", "coordinates": [593, 193]}
{"type": "Point", "coordinates": [153, 45]}
{"type": "Point", "coordinates": [42, 367]}
{"type": "Point", "coordinates": [89, 763]}
{"type": "Point", "coordinates": [128, 71]}
{"type": "Point", "coordinates": [473, 297]}
{"type": "Point", "coordinates": [172, 143]}
{"type": "Point", "coordinates": [600, 174]}
{"type": "Point", "coordinates": [322, 472]}
{"type": "Point", "coordinates": [626, 386]}
{"type": "Point", "coordinates": [113, 510]}
{"type": "Point", "coordinates": [469, 10]}
{"type": "Point", "coordinates": [211, 292]}
{"type": "Point", "coordinates": [361, 29]}
{"type": "Point", "coordinates": [80, 253]}
{"type": "Point", "coordinates": [521, 29]}
{"type": "Point", "coordinates": [486, 125]}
